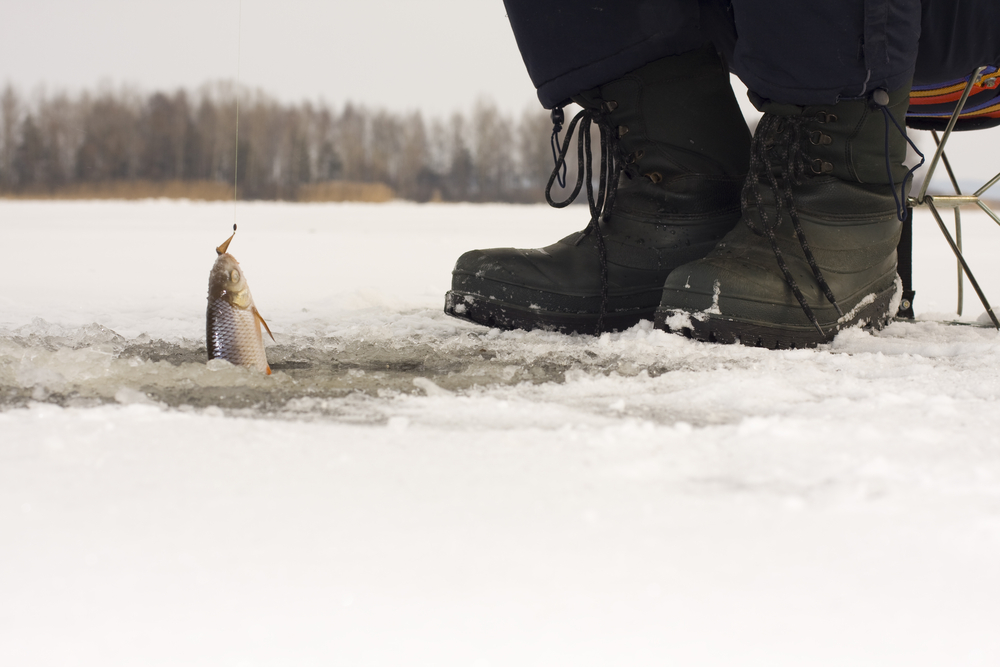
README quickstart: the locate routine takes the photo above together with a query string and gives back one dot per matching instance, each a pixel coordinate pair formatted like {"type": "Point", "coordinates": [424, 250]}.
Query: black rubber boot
{"type": "Point", "coordinates": [816, 249]}
{"type": "Point", "coordinates": [682, 147]}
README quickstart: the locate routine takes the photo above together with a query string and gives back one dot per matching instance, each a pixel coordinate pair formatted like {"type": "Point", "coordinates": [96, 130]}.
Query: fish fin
{"type": "Point", "coordinates": [257, 315]}
{"type": "Point", "coordinates": [225, 245]}
{"type": "Point", "coordinates": [268, 371]}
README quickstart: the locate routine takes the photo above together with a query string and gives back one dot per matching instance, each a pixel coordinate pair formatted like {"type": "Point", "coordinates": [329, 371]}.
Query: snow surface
{"type": "Point", "coordinates": [410, 489]}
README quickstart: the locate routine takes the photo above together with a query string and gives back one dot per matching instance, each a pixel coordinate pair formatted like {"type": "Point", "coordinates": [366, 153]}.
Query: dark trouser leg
{"type": "Point", "coordinates": [788, 51]}
{"type": "Point", "coordinates": [570, 46]}
{"type": "Point", "coordinates": [803, 53]}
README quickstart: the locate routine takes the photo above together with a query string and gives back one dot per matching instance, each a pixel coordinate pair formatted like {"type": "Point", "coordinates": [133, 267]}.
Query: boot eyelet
{"type": "Point", "coordinates": [639, 154]}
{"type": "Point", "coordinates": [610, 106]}
{"type": "Point", "coordinates": [817, 138]}
{"type": "Point", "coordinates": [655, 176]}
{"type": "Point", "coordinates": [622, 130]}
{"type": "Point", "coordinates": [820, 167]}
{"type": "Point", "coordinates": [826, 117]}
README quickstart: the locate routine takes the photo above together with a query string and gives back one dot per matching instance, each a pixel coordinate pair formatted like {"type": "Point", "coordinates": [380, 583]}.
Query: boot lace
{"type": "Point", "coordinates": [777, 147]}
{"type": "Point", "coordinates": [901, 197]}
{"type": "Point", "coordinates": [611, 164]}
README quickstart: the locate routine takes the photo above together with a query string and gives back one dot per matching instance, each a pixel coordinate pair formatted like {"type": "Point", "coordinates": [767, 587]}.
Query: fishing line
{"type": "Point", "coordinates": [236, 159]}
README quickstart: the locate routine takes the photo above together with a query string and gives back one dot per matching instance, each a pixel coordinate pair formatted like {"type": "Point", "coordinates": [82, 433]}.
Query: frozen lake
{"type": "Point", "coordinates": [408, 489]}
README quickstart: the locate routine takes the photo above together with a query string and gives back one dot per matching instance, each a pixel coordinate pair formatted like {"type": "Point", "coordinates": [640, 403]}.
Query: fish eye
{"type": "Point", "coordinates": [234, 276]}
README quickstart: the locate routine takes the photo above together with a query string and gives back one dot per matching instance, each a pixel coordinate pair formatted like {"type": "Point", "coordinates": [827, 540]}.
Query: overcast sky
{"type": "Point", "coordinates": [435, 55]}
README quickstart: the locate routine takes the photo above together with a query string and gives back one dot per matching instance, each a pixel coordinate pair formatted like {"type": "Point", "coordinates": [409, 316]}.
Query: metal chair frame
{"type": "Point", "coordinates": [955, 202]}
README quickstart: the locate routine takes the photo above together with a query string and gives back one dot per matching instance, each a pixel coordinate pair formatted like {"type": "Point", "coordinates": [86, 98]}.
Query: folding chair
{"type": "Point", "coordinates": [971, 103]}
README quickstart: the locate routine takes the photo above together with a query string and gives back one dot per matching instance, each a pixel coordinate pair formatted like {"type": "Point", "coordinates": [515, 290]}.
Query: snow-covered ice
{"type": "Point", "coordinates": [410, 489]}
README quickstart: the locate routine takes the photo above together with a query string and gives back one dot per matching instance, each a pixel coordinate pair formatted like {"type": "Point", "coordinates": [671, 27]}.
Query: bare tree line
{"type": "Point", "coordinates": [51, 141]}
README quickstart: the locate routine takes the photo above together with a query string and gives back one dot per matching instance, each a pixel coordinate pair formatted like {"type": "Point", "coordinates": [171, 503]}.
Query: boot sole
{"type": "Point", "coordinates": [499, 315]}
{"type": "Point", "coordinates": [719, 329]}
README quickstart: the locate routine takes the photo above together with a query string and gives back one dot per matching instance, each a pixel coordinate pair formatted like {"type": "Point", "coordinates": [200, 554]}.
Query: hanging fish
{"type": "Point", "coordinates": [233, 330]}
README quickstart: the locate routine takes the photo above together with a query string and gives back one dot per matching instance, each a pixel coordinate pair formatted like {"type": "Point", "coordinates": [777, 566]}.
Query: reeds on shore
{"type": "Point", "coordinates": [200, 190]}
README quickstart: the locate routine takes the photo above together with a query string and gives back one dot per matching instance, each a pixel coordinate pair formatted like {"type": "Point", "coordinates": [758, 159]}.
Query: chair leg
{"type": "Point", "coordinates": [904, 255]}
{"type": "Point", "coordinates": [958, 219]}
{"type": "Point", "coordinates": [958, 199]}
{"type": "Point", "coordinates": [961, 259]}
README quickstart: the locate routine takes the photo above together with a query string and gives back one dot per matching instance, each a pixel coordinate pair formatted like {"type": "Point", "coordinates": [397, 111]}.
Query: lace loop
{"type": "Point", "coordinates": [557, 118]}
{"type": "Point", "coordinates": [901, 198]}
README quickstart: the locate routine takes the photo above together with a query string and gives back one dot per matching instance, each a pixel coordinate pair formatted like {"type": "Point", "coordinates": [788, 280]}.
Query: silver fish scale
{"type": "Point", "coordinates": [234, 335]}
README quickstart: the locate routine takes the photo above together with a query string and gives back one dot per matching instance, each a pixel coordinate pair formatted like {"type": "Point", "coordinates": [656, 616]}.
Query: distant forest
{"type": "Point", "coordinates": [52, 144]}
